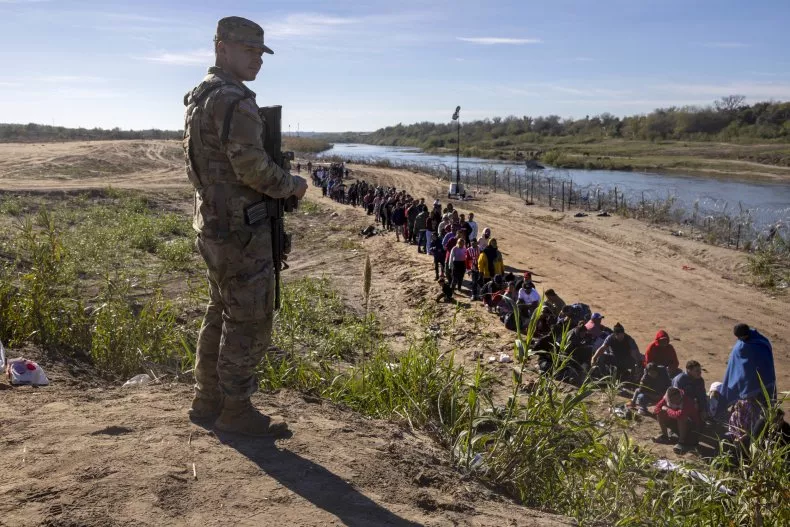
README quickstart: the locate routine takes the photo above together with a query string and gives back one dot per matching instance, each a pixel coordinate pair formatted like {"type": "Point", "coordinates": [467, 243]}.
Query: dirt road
{"type": "Point", "coordinates": [633, 273]}
{"type": "Point", "coordinates": [88, 455]}
{"type": "Point", "coordinates": [101, 457]}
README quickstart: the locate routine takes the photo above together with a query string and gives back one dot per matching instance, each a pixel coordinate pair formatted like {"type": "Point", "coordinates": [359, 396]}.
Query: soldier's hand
{"type": "Point", "coordinates": [301, 187]}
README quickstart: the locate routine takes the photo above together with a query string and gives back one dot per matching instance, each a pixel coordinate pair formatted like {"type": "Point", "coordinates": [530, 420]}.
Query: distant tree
{"type": "Point", "coordinates": [660, 124]}
{"type": "Point", "coordinates": [727, 119]}
{"type": "Point", "coordinates": [730, 103]}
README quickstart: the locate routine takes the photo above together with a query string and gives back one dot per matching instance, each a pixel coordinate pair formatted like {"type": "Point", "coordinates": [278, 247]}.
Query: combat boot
{"type": "Point", "coordinates": [205, 408]}
{"type": "Point", "coordinates": [241, 417]}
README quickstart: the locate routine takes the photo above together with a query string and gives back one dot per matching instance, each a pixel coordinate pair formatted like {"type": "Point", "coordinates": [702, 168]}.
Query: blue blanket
{"type": "Point", "coordinates": [750, 362]}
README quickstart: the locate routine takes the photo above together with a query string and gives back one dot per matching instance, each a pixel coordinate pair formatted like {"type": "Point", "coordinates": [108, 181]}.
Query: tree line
{"type": "Point", "coordinates": [727, 119]}
{"type": "Point", "coordinates": [31, 133]}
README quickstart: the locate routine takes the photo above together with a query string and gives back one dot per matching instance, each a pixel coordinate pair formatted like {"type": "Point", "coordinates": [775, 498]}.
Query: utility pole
{"type": "Point", "coordinates": [456, 118]}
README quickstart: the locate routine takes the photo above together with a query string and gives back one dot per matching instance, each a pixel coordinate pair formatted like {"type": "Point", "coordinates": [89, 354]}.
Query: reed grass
{"type": "Point", "coordinates": [544, 446]}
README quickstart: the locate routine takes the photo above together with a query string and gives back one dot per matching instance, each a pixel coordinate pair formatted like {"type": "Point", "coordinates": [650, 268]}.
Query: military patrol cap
{"type": "Point", "coordinates": [237, 29]}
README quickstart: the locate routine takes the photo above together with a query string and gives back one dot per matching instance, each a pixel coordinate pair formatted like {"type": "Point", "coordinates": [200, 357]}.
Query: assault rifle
{"type": "Point", "coordinates": [274, 209]}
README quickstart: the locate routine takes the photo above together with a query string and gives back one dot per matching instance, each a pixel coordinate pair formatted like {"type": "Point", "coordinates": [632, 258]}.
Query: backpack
{"type": "Point", "coordinates": [579, 313]}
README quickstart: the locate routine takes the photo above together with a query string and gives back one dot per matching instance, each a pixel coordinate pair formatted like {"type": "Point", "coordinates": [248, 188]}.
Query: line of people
{"type": "Point", "coordinates": [577, 336]}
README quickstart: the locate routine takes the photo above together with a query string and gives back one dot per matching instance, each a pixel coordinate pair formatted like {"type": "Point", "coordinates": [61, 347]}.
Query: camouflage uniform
{"type": "Point", "coordinates": [230, 170]}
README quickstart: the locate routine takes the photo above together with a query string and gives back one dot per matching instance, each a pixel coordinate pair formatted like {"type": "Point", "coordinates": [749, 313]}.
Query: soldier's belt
{"type": "Point", "coordinates": [265, 209]}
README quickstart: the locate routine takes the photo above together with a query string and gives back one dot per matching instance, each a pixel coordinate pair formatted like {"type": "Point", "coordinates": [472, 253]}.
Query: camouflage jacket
{"type": "Point", "coordinates": [224, 155]}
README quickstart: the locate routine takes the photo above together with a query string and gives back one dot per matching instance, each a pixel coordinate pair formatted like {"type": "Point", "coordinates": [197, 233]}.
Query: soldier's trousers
{"type": "Point", "coordinates": [237, 328]}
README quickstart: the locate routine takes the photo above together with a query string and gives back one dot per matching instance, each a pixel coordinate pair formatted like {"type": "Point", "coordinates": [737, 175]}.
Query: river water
{"type": "Point", "coordinates": [766, 203]}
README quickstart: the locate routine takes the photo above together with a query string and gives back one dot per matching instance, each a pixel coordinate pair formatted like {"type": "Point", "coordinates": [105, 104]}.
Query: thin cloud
{"type": "Point", "coordinates": [188, 58]}
{"type": "Point", "coordinates": [519, 91]}
{"type": "Point", "coordinates": [308, 24]}
{"type": "Point", "coordinates": [581, 91]}
{"type": "Point", "coordinates": [69, 79]}
{"type": "Point", "coordinates": [493, 41]}
{"type": "Point", "coordinates": [752, 90]}
{"type": "Point", "coordinates": [620, 102]}
{"type": "Point", "coordinates": [131, 17]}
{"type": "Point", "coordinates": [85, 93]}
{"type": "Point", "coordinates": [725, 45]}
{"type": "Point", "coordinates": [71, 93]}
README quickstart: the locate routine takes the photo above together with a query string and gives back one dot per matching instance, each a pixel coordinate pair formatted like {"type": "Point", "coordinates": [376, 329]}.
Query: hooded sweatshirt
{"type": "Point", "coordinates": [482, 243]}
{"type": "Point", "coordinates": [490, 262]}
{"type": "Point", "coordinates": [687, 409]}
{"type": "Point", "coordinates": [662, 353]}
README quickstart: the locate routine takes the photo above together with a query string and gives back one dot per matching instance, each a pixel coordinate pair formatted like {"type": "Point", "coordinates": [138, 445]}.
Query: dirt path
{"type": "Point", "coordinates": [91, 164]}
{"type": "Point", "coordinates": [631, 272]}
{"type": "Point", "coordinates": [77, 471]}
{"type": "Point", "coordinates": [106, 457]}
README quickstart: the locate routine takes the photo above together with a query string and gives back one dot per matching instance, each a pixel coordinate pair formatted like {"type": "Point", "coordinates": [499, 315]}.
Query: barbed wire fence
{"type": "Point", "coordinates": [558, 191]}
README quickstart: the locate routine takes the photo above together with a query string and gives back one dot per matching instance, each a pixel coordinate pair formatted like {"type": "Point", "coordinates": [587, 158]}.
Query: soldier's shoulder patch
{"type": "Point", "coordinates": [248, 106]}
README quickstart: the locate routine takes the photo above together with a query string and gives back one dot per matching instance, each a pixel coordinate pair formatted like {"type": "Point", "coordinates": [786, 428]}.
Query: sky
{"type": "Point", "coordinates": [360, 65]}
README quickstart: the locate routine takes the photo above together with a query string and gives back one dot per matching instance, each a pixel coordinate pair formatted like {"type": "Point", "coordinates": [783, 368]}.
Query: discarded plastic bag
{"type": "Point", "coordinates": [667, 466]}
{"type": "Point", "coordinates": [23, 372]}
{"type": "Point", "coordinates": [622, 412]}
{"type": "Point", "coordinates": [138, 380]}
{"type": "Point", "coordinates": [2, 355]}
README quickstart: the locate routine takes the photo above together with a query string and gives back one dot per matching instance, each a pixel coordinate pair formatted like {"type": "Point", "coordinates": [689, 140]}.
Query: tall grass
{"type": "Point", "coordinates": [769, 264]}
{"type": "Point", "coordinates": [83, 278]}
{"type": "Point", "coordinates": [543, 446]}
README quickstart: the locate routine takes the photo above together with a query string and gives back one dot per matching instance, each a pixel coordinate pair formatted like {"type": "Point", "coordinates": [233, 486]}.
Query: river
{"type": "Point", "coordinates": [766, 203]}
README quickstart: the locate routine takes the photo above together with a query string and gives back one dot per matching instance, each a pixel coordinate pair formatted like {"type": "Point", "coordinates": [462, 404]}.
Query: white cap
{"type": "Point", "coordinates": [715, 387]}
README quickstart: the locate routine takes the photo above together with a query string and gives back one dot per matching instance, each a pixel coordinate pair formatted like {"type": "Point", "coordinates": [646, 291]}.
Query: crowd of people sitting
{"type": "Point", "coordinates": [570, 341]}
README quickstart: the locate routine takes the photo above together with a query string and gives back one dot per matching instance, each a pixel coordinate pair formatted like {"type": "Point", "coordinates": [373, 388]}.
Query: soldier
{"type": "Point", "coordinates": [230, 171]}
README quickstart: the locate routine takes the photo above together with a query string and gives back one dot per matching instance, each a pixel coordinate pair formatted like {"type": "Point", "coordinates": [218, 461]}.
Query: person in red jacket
{"type": "Point", "coordinates": [661, 353]}
{"type": "Point", "coordinates": [677, 412]}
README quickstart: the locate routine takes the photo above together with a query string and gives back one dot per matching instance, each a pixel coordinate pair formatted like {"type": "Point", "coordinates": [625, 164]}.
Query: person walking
{"type": "Point", "coordinates": [227, 165]}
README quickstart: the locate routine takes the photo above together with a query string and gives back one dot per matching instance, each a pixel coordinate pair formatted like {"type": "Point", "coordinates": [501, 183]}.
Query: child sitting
{"type": "Point", "coordinates": [447, 291]}
{"type": "Point", "coordinates": [652, 386]}
{"type": "Point", "coordinates": [677, 412]}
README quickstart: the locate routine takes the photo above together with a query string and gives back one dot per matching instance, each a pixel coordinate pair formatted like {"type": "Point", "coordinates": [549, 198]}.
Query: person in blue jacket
{"type": "Point", "coordinates": [751, 361]}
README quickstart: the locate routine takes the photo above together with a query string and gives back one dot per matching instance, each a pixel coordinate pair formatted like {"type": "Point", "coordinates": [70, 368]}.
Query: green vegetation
{"type": "Point", "coordinates": [85, 275]}
{"type": "Point", "coordinates": [305, 145]}
{"type": "Point", "coordinates": [665, 139]}
{"type": "Point", "coordinates": [769, 264]}
{"type": "Point", "coordinates": [88, 276]}
{"type": "Point", "coordinates": [33, 133]}
{"type": "Point", "coordinates": [543, 447]}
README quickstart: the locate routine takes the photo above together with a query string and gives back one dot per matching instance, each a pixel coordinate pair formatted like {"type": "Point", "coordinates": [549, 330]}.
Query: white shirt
{"type": "Point", "coordinates": [528, 298]}
{"type": "Point", "coordinates": [473, 224]}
